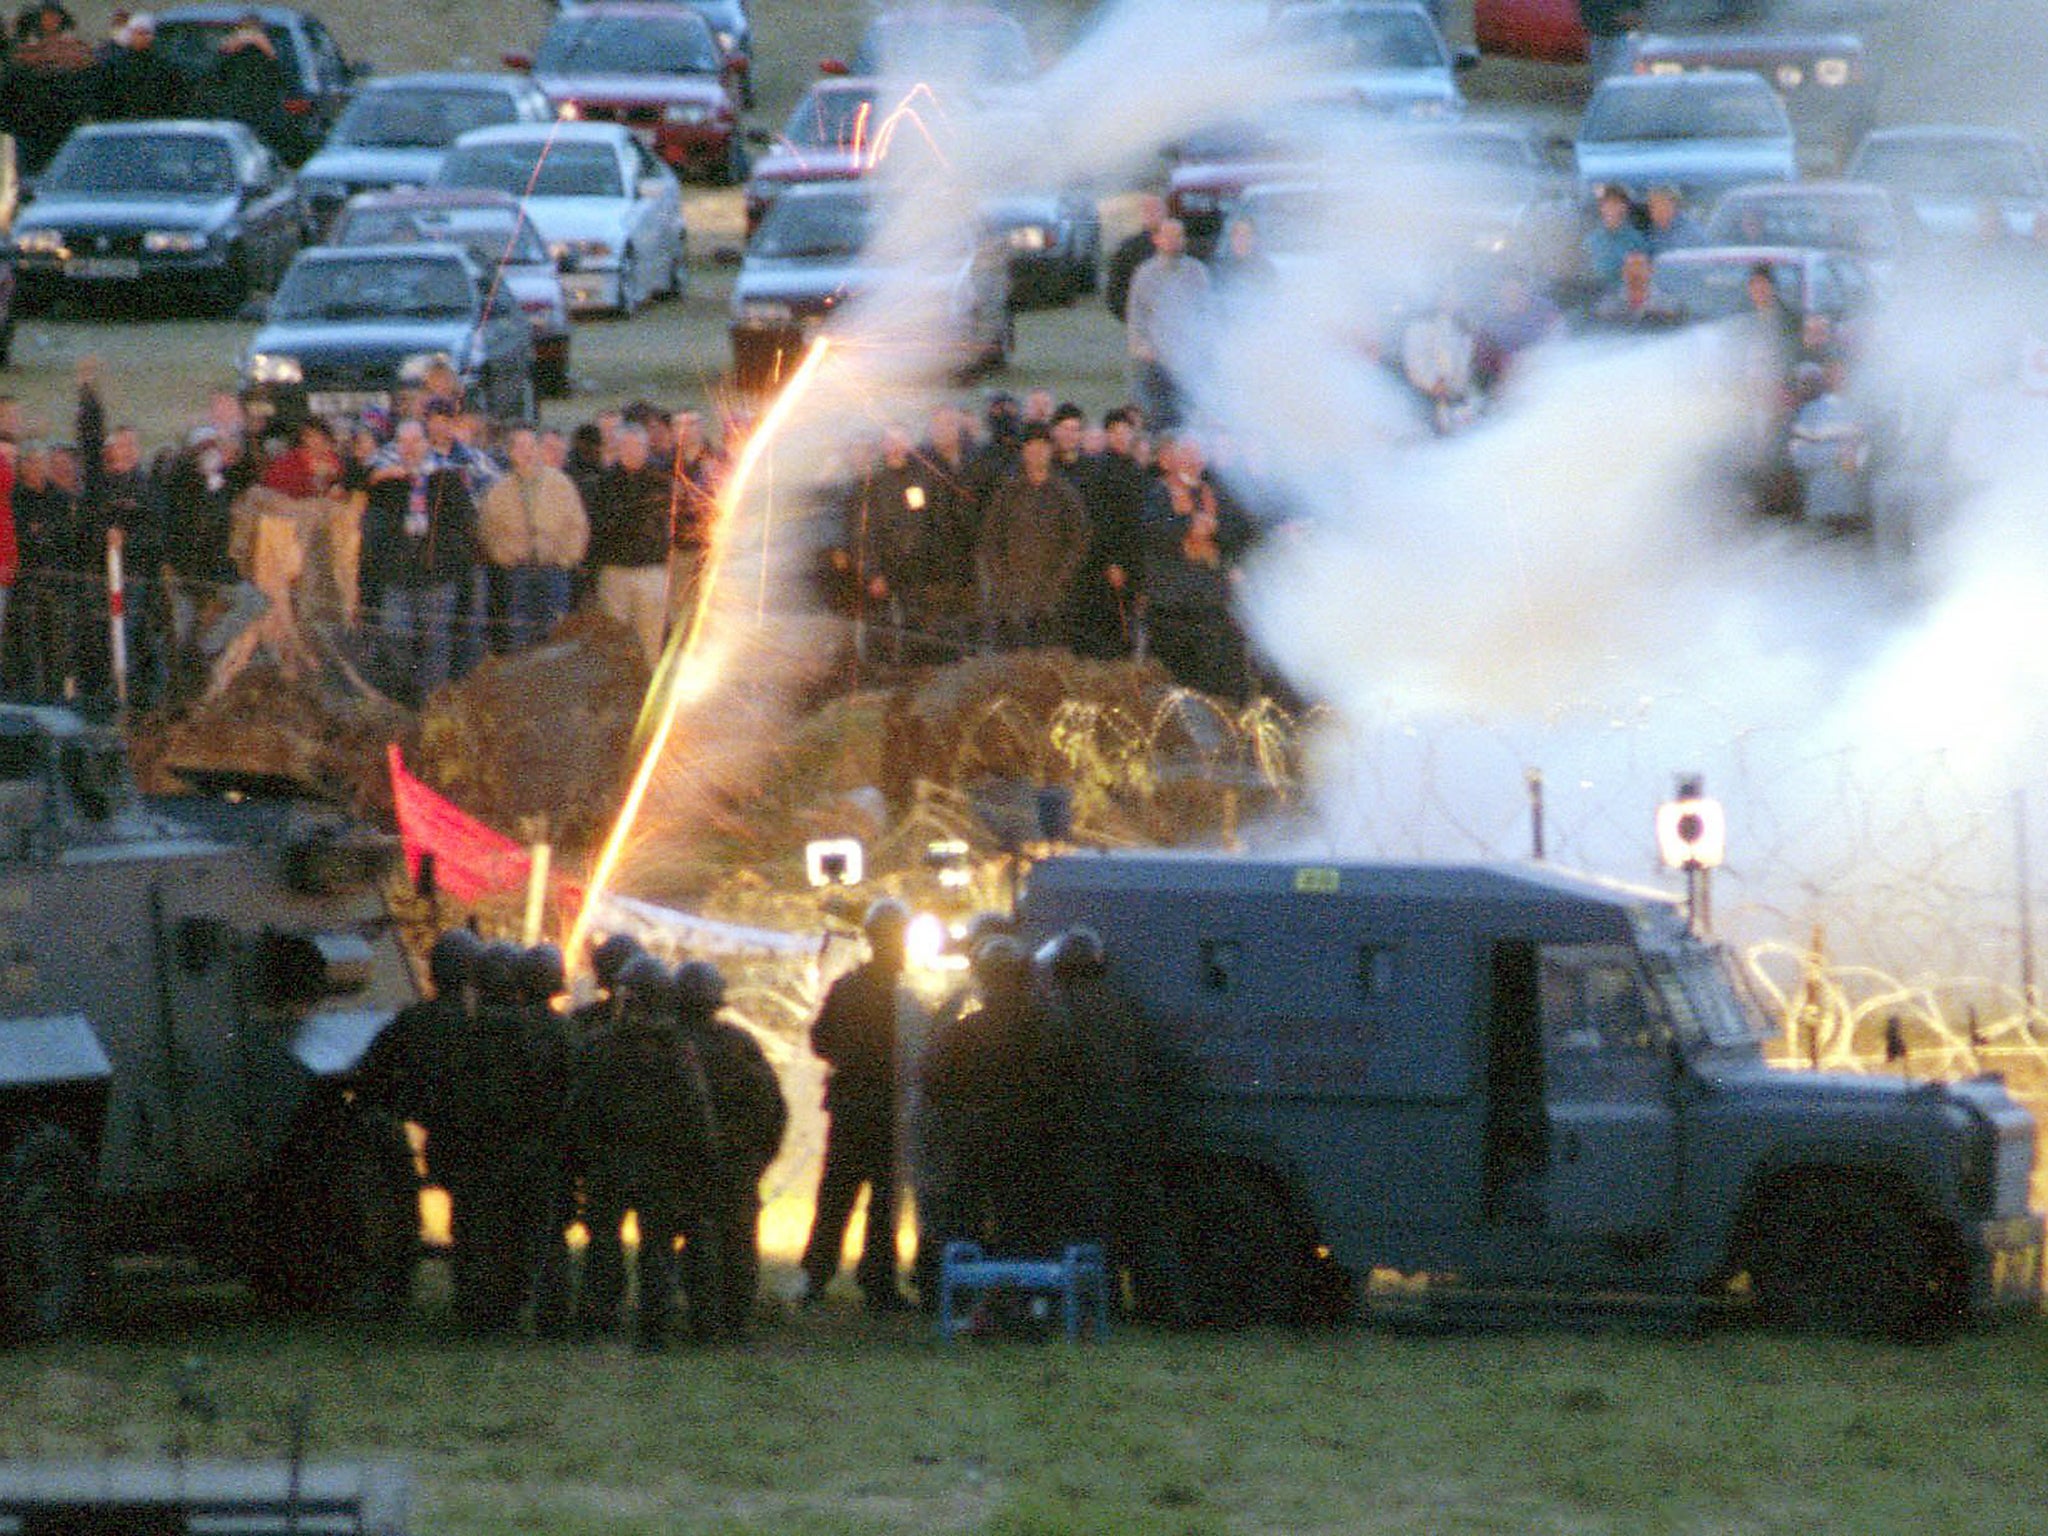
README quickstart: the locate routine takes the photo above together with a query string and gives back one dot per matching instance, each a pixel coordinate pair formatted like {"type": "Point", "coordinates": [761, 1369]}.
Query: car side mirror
{"type": "Point", "coordinates": [359, 70]}
{"type": "Point", "coordinates": [1463, 59]}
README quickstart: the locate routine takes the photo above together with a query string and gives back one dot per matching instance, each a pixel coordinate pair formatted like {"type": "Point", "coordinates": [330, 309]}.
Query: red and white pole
{"type": "Point", "coordinates": [117, 613]}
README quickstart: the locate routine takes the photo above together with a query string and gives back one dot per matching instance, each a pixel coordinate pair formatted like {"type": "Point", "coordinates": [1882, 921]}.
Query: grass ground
{"type": "Point", "coordinates": [831, 1423]}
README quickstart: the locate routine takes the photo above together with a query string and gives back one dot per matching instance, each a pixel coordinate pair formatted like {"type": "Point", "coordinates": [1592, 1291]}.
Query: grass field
{"type": "Point", "coordinates": [829, 1423]}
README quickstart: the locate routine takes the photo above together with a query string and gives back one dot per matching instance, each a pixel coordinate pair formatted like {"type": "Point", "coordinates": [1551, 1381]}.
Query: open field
{"type": "Point", "coordinates": [831, 1424]}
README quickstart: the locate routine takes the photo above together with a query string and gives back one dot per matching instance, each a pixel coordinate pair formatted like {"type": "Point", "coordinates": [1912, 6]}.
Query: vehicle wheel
{"type": "Point", "coordinates": [340, 1231]}
{"type": "Point", "coordinates": [629, 292]}
{"type": "Point", "coordinates": [678, 275]}
{"type": "Point", "coordinates": [1244, 1259]}
{"type": "Point", "coordinates": [1841, 1256]}
{"type": "Point", "coordinates": [7, 341]}
{"type": "Point", "coordinates": [231, 289]}
{"type": "Point", "coordinates": [552, 378]}
{"type": "Point", "coordinates": [737, 162]}
{"type": "Point", "coordinates": [45, 1235]}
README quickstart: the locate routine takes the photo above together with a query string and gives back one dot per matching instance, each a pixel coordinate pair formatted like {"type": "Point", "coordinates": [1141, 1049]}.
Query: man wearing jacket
{"type": "Point", "coordinates": [419, 547]}
{"type": "Point", "coordinates": [534, 533]}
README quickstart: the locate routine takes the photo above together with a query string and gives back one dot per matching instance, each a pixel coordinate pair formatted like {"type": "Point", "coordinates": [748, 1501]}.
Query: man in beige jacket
{"type": "Point", "coordinates": [534, 532]}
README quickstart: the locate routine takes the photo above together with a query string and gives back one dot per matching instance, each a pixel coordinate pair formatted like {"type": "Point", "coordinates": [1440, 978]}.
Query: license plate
{"type": "Point", "coordinates": [115, 268]}
{"type": "Point", "coordinates": [346, 402]}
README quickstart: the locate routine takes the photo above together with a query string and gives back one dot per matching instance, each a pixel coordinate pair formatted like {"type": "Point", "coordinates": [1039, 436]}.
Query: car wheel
{"type": "Point", "coordinates": [629, 291]}
{"type": "Point", "coordinates": [678, 274]}
{"type": "Point", "coordinates": [1838, 1255]}
{"type": "Point", "coordinates": [230, 289]}
{"type": "Point", "coordinates": [1243, 1261]}
{"type": "Point", "coordinates": [6, 341]}
{"type": "Point", "coordinates": [338, 1227]}
{"type": "Point", "coordinates": [737, 162]}
{"type": "Point", "coordinates": [45, 1235]}
{"type": "Point", "coordinates": [551, 378]}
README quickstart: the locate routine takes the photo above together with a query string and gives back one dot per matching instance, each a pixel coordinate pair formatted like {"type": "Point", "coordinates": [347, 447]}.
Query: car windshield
{"type": "Point", "coordinates": [1681, 107]}
{"type": "Point", "coordinates": [170, 165]}
{"type": "Point", "coordinates": [426, 118]}
{"type": "Point", "coordinates": [1719, 290]}
{"type": "Point", "coordinates": [1344, 37]}
{"type": "Point", "coordinates": [1861, 225]}
{"type": "Point", "coordinates": [490, 235]}
{"type": "Point", "coordinates": [835, 119]}
{"type": "Point", "coordinates": [192, 47]}
{"type": "Point", "coordinates": [384, 288]}
{"type": "Point", "coordinates": [930, 47]}
{"type": "Point", "coordinates": [536, 169]}
{"type": "Point", "coordinates": [798, 227]}
{"type": "Point", "coordinates": [1708, 995]}
{"type": "Point", "coordinates": [1952, 168]}
{"type": "Point", "coordinates": [679, 44]}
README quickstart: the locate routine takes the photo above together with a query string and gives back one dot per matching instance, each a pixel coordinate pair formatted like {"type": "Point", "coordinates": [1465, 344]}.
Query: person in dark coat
{"type": "Point", "coordinates": [1099, 618]}
{"type": "Point", "coordinates": [640, 1126]}
{"type": "Point", "coordinates": [1192, 539]}
{"type": "Point", "coordinates": [248, 85]}
{"type": "Point", "coordinates": [856, 1036]}
{"type": "Point", "coordinates": [1034, 535]}
{"type": "Point", "coordinates": [200, 486]}
{"type": "Point", "coordinates": [1131, 253]}
{"type": "Point", "coordinates": [419, 547]}
{"type": "Point", "coordinates": [48, 88]}
{"type": "Point", "coordinates": [629, 539]}
{"type": "Point", "coordinates": [135, 81]}
{"type": "Point", "coordinates": [751, 1116]}
{"type": "Point", "coordinates": [49, 590]}
{"type": "Point", "coordinates": [117, 505]}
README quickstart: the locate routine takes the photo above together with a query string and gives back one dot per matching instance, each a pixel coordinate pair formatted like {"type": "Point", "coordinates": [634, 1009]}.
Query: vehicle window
{"type": "Point", "coordinates": [357, 290]}
{"type": "Point", "coordinates": [1950, 168]}
{"type": "Point", "coordinates": [491, 236]}
{"type": "Point", "coordinates": [1378, 969]}
{"type": "Point", "coordinates": [644, 162]}
{"type": "Point", "coordinates": [1835, 225]}
{"type": "Point", "coordinates": [1593, 1002]}
{"type": "Point", "coordinates": [1685, 108]}
{"type": "Point", "coordinates": [1338, 37]}
{"type": "Point", "coordinates": [536, 169]}
{"type": "Point", "coordinates": [172, 165]}
{"type": "Point", "coordinates": [799, 227]}
{"type": "Point", "coordinates": [835, 119]}
{"type": "Point", "coordinates": [333, 67]}
{"type": "Point", "coordinates": [192, 47]}
{"type": "Point", "coordinates": [923, 47]}
{"type": "Point", "coordinates": [1719, 290]}
{"type": "Point", "coordinates": [680, 44]}
{"type": "Point", "coordinates": [420, 119]}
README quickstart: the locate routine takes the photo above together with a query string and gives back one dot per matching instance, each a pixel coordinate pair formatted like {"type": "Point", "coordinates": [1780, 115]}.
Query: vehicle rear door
{"type": "Point", "coordinates": [1611, 1174]}
{"type": "Point", "coordinates": [197, 978]}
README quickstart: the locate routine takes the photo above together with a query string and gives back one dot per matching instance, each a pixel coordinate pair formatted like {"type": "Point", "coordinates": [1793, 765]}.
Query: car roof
{"type": "Point", "coordinates": [1837, 189]}
{"type": "Point", "coordinates": [435, 197]}
{"type": "Point", "coordinates": [438, 250]}
{"type": "Point", "coordinates": [449, 79]}
{"type": "Point", "coordinates": [632, 8]}
{"type": "Point", "coordinates": [1935, 133]}
{"type": "Point", "coordinates": [160, 127]}
{"type": "Point", "coordinates": [269, 15]}
{"type": "Point", "coordinates": [1692, 80]}
{"type": "Point", "coordinates": [1741, 255]}
{"type": "Point", "coordinates": [564, 130]}
{"type": "Point", "coordinates": [847, 190]}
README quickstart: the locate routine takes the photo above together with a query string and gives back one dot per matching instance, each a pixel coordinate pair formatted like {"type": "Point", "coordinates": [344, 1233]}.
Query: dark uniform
{"type": "Point", "coordinates": [751, 1116]}
{"type": "Point", "coordinates": [640, 1128]}
{"type": "Point", "coordinates": [855, 1035]}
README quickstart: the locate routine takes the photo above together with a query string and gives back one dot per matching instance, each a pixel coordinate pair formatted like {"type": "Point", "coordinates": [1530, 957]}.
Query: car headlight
{"type": "Point", "coordinates": [173, 241]}
{"type": "Point", "coordinates": [764, 311]}
{"type": "Point", "coordinates": [1196, 202]}
{"type": "Point", "coordinates": [571, 254]}
{"type": "Point", "coordinates": [727, 41]}
{"type": "Point", "coordinates": [274, 368]}
{"type": "Point", "coordinates": [688, 113]}
{"type": "Point", "coordinates": [1030, 237]}
{"type": "Point", "coordinates": [1790, 77]}
{"type": "Point", "coordinates": [40, 242]}
{"type": "Point", "coordinates": [1832, 72]}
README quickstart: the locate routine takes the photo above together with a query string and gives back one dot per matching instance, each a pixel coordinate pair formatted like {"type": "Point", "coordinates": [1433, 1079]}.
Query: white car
{"type": "Point", "coordinates": [610, 212]}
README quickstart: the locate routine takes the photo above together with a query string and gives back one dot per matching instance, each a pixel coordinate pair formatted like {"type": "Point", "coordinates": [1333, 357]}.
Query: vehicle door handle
{"type": "Point", "coordinates": [1568, 1148]}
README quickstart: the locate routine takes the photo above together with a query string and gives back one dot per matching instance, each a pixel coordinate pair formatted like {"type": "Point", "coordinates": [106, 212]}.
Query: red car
{"type": "Point", "coordinates": [835, 134]}
{"type": "Point", "coordinates": [1545, 30]}
{"type": "Point", "coordinates": [655, 68]}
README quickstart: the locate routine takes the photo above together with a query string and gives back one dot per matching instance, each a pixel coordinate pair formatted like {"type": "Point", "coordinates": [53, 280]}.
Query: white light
{"type": "Point", "coordinates": [925, 941]}
{"type": "Point", "coordinates": [1691, 833]}
{"type": "Point", "coordinates": [274, 368]}
{"type": "Point", "coordinates": [834, 861]}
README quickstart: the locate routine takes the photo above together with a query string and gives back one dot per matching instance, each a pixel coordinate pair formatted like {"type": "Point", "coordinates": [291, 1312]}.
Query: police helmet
{"type": "Point", "coordinates": [497, 972]}
{"type": "Point", "coordinates": [1000, 960]}
{"type": "Point", "coordinates": [887, 917]}
{"type": "Point", "coordinates": [700, 989]}
{"type": "Point", "coordinates": [1075, 952]}
{"type": "Point", "coordinates": [982, 926]}
{"type": "Point", "coordinates": [645, 983]}
{"type": "Point", "coordinates": [609, 957]}
{"type": "Point", "coordinates": [542, 973]}
{"type": "Point", "coordinates": [452, 960]}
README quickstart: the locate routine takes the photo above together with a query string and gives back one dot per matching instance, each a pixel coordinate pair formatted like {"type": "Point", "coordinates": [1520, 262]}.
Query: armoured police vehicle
{"type": "Point", "coordinates": [180, 1009]}
{"type": "Point", "coordinates": [1525, 1079]}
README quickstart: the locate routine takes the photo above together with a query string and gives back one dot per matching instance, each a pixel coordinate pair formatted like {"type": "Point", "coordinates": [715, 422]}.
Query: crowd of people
{"type": "Point", "coordinates": [1030, 1112]}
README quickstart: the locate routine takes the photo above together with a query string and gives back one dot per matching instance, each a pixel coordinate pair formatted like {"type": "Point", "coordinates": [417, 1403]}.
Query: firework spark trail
{"type": "Point", "coordinates": [687, 668]}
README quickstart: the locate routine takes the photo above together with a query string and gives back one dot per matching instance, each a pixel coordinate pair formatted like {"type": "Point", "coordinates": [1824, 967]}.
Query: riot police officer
{"type": "Point", "coordinates": [640, 1125]}
{"type": "Point", "coordinates": [543, 977]}
{"type": "Point", "coordinates": [608, 957]}
{"type": "Point", "coordinates": [751, 1116]}
{"type": "Point", "coordinates": [856, 1035]}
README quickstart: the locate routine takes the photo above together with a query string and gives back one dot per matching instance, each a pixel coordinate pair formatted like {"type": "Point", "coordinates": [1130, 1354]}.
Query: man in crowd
{"type": "Point", "coordinates": [629, 540]}
{"type": "Point", "coordinates": [1192, 539]}
{"type": "Point", "coordinates": [1034, 533]}
{"type": "Point", "coordinates": [1169, 294]}
{"type": "Point", "coordinates": [1099, 617]}
{"type": "Point", "coordinates": [419, 533]}
{"type": "Point", "coordinates": [534, 533]}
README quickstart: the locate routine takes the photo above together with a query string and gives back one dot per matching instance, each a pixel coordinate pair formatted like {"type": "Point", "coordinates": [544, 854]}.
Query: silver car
{"type": "Point", "coordinates": [1946, 178]}
{"type": "Point", "coordinates": [1386, 56]}
{"type": "Point", "coordinates": [395, 131]}
{"type": "Point", "coordinates": [610, 212]}
{"type": "Point", "coordinates": [1701, 133]}
{"type": "Point", "coordinates": [504, 243]}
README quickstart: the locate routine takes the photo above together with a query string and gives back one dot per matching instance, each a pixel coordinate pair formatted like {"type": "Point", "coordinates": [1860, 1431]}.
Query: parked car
{"type": "Point", "coordinates": [1712, 282]}
{"type": "Point", "coordinates": [1214, 164]}
{"type": "Point", "coordinates": [1386, 56]}
{"type": "Point", "coordinates": [1054, 242]}
{"type": "Point", "coordinates": [322, 78]}
{"type": "Point", "coordinates": [499, 237]}
{"type": "Point", "coordinates": [1826, 79]}
{"type": "Point", "coordinates": [352, 325]}
{"type": "Point", "coordinates": [1944, 177]}
{"type": "Point", "coordinates": [610, 212]}
{"type": "Point", "coordinates": [811, 260]}
{"type": "Point", "coordinates": [960, 49]}
{"type": "Point", "coordinates": [1701, 133]}
{"type": "Point", "coordinates": [834, 134]}
{"type": "Point", "coordinates": [197, 211]}
{"type": "Point", "coordinates": [734, 29]}
{"type": "Point", "coordinates": [396, 130]}
{"type": "Point", "coordinates": [1852, 217]}
{"type": "Point", "coordinates": [657, 69]}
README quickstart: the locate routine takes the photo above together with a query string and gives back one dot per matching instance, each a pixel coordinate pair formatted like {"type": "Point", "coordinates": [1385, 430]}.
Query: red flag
{"type": "Point", "coordinates": [470, 859]}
